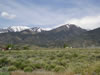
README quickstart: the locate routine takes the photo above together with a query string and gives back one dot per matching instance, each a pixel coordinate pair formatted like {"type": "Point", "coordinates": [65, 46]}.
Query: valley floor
{"type": "Point", "coordinates": [57, 61]}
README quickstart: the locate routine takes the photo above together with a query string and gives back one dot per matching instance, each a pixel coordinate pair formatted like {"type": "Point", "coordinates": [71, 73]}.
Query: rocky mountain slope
{"type": "Point", "coordinates": [59, 36]}
{"type": "Point", "coordinates": [19, 29]}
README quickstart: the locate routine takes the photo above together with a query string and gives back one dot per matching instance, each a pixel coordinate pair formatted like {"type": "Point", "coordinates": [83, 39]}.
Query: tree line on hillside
{"type": "Point", "coordinates": [24, 47]}
{"type": "Point", "coordinates": [14, 47]}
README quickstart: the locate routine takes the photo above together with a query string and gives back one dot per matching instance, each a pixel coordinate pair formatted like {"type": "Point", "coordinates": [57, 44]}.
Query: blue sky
{"type": "Point", "coordinates": [50, 13]}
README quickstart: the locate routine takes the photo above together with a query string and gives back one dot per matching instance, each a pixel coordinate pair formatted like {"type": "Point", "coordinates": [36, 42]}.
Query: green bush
{"type": "Point", "coordinates": [4, 69]}
{"type": "Point", "coordinates": [39, 65]}
{"type": "Point", "coordinates": [12, 68]}
{"type": "Point", "coordinates": [65, 45]}
{"type": "Point", "coordinates": [4, 73]}
{"type": "Point", "coordinates": [26, 48]}
{"type": "Point", "coordinates": [33, 66]}
{"type": "Point", "coordinates": [97, 67]}
{"type": "Point", "coordinates": [9, 46]}
{"type": "Point", "coordinates": [78, 69]}
{"type": "Point", "coordinates": [60, 54]}
{"type": "Point", "coordinates": [75, 55]}
{"type": "Point", "coordinates": [20, 64]}
{"type": "Point", "coordinates": [50, 67]}
{"type": "Point", "coordinates": [4, 61]}
{"type": "Point", "coordinates": [59, 69]}
{"type": "Point", "coordinates": [28, 69]}
{"type": "Point", "coordinates": [23, 65]}
{"type": "Point", "coordinates": [62, 62]}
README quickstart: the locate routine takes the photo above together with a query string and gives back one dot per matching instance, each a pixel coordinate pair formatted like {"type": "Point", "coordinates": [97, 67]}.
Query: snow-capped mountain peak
{"type": "Point", "coordinates": [17, 28]}
{"type": "Point", "coordinates": [68, 25]}
{"type": "Point", "coordinates": [20, 28]}
{"type": "Point", "coordinates": [34, 29]}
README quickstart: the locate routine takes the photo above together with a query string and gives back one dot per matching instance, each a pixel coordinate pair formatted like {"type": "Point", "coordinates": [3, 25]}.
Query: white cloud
{"type": "Point", "coordinates": [31, 13]}
{"type": "Point", "coordinates": [8, 15]}
{"type": "Point", "coordinates": [88, 22]}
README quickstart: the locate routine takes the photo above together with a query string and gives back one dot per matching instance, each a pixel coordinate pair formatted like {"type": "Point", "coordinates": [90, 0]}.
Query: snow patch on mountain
{"type": "Point", "coordinates": [68, 26]}
{"type": "Point", "coordinates": [17, 28]}
{"type": "Point", "coordinates": [33, 29]}
{"type": "Point", "coordinates": [21, 28]}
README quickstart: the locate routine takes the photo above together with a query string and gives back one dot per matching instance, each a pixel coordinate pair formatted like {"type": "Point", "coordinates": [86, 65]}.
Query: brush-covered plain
{"type": "Point", "coordinates": [56, 60]}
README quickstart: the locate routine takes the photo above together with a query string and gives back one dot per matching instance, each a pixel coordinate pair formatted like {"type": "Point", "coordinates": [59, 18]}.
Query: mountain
{"type": "Point", "coordinates": [57, 37]}
{"type": "Point", "coordinates": [13, 29]}
{"type": "Point", "coordinates": [3, 30]}
{"type": "Point", "coordinates": [19, 29]}
{"type": "Point", "coordinates": [88, 39]}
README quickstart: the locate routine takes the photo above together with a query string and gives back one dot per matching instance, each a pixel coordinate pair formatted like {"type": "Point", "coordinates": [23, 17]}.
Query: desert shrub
{"type": "Point", "coordinates": [12, 68]}
{"type": "Point", "coordinates": [78, 69]}
{"type": "Point", "coordinates": [9, 46]}
{"type": "Point", "coordinates": [12, 61]}
{"type": "Point", "coordinates": [26, 47]}
{"type": "Point", "coordinates": [21, 63]}
{"type": "Point", "coordinates": [50, 67]}
{"type": "Point", "coordinates": [68, 55]}
{"type": "Point", "coordinates": [75, 55]}
{"type": "Point", "coordinates": [60, 61]}
{"type": "Point", "coordinates": [60, 54]}
{"type": "Point", "coordinates": [65, 46]}
{"type": "Point", "coordinates": [18, 64]}
{"type": "Point", "coordinates": [39, 65]}
{"type": "Point", "coordinates": [52, 57]}
{"type": "Point", "coordinates": [33, 66]}
{"type": "Point", "coordinates": [4, 73]}
{"type": "Point", "coordinates": [28, 69]}
{"type": "Point", "coordinates": [4, 61]}
{"type": "Point", "coordinates": [96, 67]}
{"type": "Point", "coordinates": [59, 69]}
{"type": "Point", "coordinates": [4, 69]}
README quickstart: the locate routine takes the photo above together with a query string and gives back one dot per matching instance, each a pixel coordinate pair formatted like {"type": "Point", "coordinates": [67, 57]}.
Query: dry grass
{"type": "Point", "coordinates": [40, 73]}
{"type": "Point", "coordinates": [46, 73]}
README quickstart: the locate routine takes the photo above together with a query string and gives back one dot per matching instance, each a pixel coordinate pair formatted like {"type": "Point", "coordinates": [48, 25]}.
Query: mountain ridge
{"type": "Point", "coordinates": [36, 29]}
{"type": "Point", "coordinates": [68, 34]}
{"type": "Point", "coordinates": [55, 37]}
{"type": "Point", "coordinates": [19, 29]}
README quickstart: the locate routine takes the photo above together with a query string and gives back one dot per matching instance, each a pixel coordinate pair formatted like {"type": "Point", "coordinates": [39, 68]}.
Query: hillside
{"type": "Point", "coordinates": [69, 34]}
{"type": "Point", "coordinates": [55, 37]}
{"type": "Point", "coordinates": [88, 39]}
